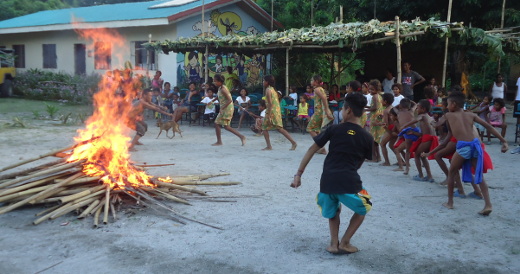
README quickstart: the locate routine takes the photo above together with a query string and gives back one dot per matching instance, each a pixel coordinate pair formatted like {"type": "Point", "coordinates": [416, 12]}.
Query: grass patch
{"type": "Point", "coordinates": [10, 106]}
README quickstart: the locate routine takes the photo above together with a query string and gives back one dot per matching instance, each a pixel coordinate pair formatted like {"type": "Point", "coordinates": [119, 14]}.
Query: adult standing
{"type": "Point", "coordinates": [410, 79]}
{"type": "Point", "coordinates": [230, 78]}
{"type": "Point", "coordinates": [316, 123]}
{"type": "Point", "coordinates": [157, 81]}
{"type": "Point", "coordinates": [273, 114]}
{"type": "Point", "coordinates": [226, 111]}
{"type": "Point", "coordinates": [499, 88]}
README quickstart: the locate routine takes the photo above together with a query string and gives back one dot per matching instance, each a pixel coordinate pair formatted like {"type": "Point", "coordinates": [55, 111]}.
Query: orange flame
{"type": "Point", "coordinates": [108, 156]}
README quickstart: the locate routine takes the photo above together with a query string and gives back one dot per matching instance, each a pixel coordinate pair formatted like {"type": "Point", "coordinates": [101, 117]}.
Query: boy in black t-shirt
{"type": "Point", "coordinates": [349, 146]}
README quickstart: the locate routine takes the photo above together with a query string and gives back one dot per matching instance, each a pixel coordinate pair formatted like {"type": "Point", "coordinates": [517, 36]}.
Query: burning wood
{"type": "Point", "coordinates": [65, 189]}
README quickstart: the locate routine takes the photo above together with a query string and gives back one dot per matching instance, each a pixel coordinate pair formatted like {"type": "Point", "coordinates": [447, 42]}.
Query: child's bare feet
{"type": "Point", "coordinates": [406, 171]}
{"type": "Point", "coordinates": [294, 145]}
{"type": "Point", "coordinates": [485, 211]}
{"type": "Point", "coordinates": [448, 206]}
{"type": "Point", "coordinates": [347, 249]}
{"type": "Point", "coordinates": [267, 148]}
{"type": "Point", "coordinates": [243, 139]}
{"type": "Point", "coordinates": [333, 249]}
{"type": "Point", "coordinates": [398, 169]}
{"type": "Point", "coordinates": [139, 143]}
{"type": "Point", "coordinates": [217, 144]}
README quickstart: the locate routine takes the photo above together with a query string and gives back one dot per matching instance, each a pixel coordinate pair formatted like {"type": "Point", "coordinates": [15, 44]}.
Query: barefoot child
{"type": "Point", "coordinates": [321, 110]}
{"type": "Point", "coordinates": [259, 119]}
{"type": "Point", "coordinates": [349, 146]}
{"type": "Point", "coordinates": [376, 117]}
{"type": "Point", "coordinates": [273, 115]}
{"type": "Point", "coordinates": [405, 114]}
{"type": "Point", "coordinates": [388, 99]}
{"type": "Point", "coordinates": [469, 151]}
{"type": "Point", "coordinates": [226, 111]}
{"type": "Point", "coordinates": [426, 141]}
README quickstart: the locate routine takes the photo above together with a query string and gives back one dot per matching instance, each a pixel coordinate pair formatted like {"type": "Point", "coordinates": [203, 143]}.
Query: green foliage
{"type": "Point", "coordinates": [19, 122]}
{"type": "Point", "coordinates": [36, 114]}
{"type": "Point", "coordinates": [14, 8]}
{"type": "Point", "coordinates": [51, 110]}
{"type": "Point", "coordinates": [43, 85]}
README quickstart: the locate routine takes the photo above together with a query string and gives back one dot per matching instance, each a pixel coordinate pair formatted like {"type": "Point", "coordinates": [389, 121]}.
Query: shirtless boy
{"type": "Point", "coordinates": [405, 114]}
{"type": "Point", "coordinates": [469, 150]}
{"type": "Point", "coordinates": [427, 139]}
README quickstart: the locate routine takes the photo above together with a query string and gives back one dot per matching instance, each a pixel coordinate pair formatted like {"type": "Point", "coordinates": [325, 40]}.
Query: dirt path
{"type": "Point", "coordinates": [280, 230]}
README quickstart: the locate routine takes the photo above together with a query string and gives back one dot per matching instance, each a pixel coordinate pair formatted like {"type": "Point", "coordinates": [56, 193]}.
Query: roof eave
{"type": "Point", "coordinates": [90, 25]}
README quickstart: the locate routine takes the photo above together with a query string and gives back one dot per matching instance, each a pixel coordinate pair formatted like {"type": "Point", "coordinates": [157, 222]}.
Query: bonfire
{"type": "Point", "coordinates": [95, 175]}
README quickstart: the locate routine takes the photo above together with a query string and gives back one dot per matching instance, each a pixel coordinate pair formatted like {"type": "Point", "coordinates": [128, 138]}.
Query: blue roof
{"type": "Point", "coordinates": [102, 13]}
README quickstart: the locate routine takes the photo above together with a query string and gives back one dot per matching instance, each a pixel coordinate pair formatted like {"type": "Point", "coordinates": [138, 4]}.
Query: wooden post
{"type": "Point", "coordinates": [445, 64]}
{"type": "Point", "coordinates": [331, 69]}
{"type": "Point", "coordinates": [206, 70]}
{"type": "Point", "coordinates": [287, 72]}
{"type": "Point", "coordinates": [501, 27]}
{"type": "Point", "coordinates": [341, 14]}
{"type": "Point", "coordinates": [398, 48]}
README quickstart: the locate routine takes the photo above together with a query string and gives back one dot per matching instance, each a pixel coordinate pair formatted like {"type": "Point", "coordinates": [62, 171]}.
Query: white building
{"type": "Point", "coordinates": [48, 39]}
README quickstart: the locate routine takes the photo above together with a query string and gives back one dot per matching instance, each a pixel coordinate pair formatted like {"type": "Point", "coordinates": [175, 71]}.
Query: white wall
{"type": "Point", "coordinates": [65, 41]}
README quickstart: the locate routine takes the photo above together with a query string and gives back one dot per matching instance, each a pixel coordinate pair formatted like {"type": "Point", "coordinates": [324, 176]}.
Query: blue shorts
{"type": "Point", "coordinates": [330, 203]}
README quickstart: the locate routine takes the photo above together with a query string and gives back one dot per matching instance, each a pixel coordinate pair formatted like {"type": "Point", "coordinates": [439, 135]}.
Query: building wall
{"type": "Point", "coordinates": [65, 41]}
{"type": "Point", "coordinates": [239, 23]}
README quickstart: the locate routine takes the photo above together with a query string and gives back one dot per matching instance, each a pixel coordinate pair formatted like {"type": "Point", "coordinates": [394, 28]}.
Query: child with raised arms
{"type": "Point", "coordinates": [340, 182]}
{"type": "Point", "coordinates": [469, 152]}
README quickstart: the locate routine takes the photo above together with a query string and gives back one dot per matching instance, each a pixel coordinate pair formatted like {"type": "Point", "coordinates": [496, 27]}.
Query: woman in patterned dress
{"type": "Point", "coordinates": [376, 117]}
{"type": "Point", "coordinates": [273, 114]}
{"type": "Point", "coordinates": [321, 105]}
{"type": "Point", "coordinates": [226, 111]}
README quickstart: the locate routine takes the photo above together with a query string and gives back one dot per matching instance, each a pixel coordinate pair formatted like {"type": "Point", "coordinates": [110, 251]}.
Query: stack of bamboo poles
{"type": "Point", "coordinates": [63, 188]}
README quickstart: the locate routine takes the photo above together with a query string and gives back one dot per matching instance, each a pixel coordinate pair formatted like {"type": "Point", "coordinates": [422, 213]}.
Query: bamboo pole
{"type": "Point", "coordinates": [207, 183]}
{"type": "Point", "coordinates": [97, 193]}
{"type": "Point", "coordinates": [48, 154]}
{"type": "Point", "coordinates": [107, 205]}
{"type": "Point", "coordinates": [27, 171]}
{"type": "Point", "coordinates": [72, 207]}
{"type": "Point", "coordinates": [84, 193]}
{"type": "Point", "coordinates": [88, 209]}
{"type": "Point", "coordinates": [47, 210]}
{"type": "Point", "coordinates": [96, 216]}
{"type": "Point", "coordinates": [41, 173]}
{"type": "Point", "coordinates": [47, 216]}
{"type": "Point", "coordinates": [81, 180]}
{"type": "Point", "coordinates": [12, 196]}
{"type": "Point", "coordinates": [170, 197]}
{"type": "Point", "coordinates": [398, 49]}
{"type": "Point", "coordinates": [287, 71]}
{"type": "Point", "coordinates": [39, 195]}
{"type": "Point", "coordinates": [100, 205]}
{"type": "Point", "coordinates": [30, 185]}
{"type": "Point", "coordinates": [168, 185]}
{"type": "Point", "coordinates": [46, 197]}
{"type": "Point", "coordinates": [446, 45]}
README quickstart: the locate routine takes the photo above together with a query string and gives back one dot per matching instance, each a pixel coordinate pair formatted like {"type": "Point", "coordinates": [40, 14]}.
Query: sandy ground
{"type": "Point", "coordinates": [280, 230]}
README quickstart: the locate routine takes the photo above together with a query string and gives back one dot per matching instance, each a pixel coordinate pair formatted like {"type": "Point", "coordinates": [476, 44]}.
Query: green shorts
{"type": "Point", "coordinates": [330, 203]}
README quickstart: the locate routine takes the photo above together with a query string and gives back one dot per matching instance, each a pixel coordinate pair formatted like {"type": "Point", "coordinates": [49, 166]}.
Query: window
{"type": "Point", "coordinates": [102, 55]}
{"type": "Point", "coordinates": [49, 56]}
{"type": "Point", "coordinates": [142, 54]}
{"type": "Point", "coordinates": [19, 56]}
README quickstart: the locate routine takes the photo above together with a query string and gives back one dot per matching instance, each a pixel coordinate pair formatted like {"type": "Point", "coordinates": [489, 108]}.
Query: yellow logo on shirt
{"type": "Point", "coordinates": [351, 132]}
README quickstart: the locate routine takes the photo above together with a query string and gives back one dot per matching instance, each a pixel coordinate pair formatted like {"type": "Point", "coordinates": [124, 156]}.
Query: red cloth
{"type": "Point", "coordinates": [488, 164]}
{"type": "Point", "coordinates": [399, 141]}
{"type": "Point", "coordinates": [449, 156]}
{"type": "Point", "coordinates": [391, 127]}
{"type": "Point", "coordinates": [425, 138]}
